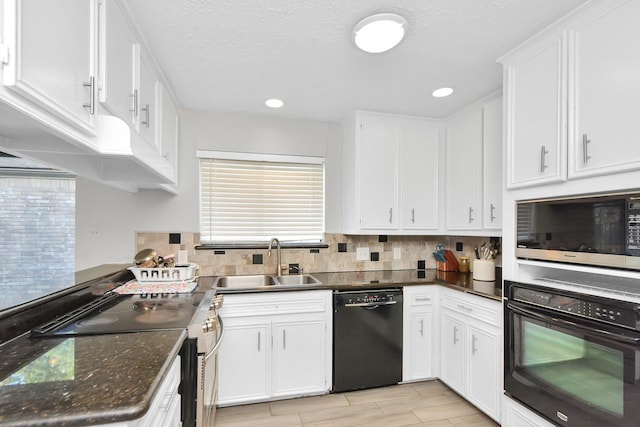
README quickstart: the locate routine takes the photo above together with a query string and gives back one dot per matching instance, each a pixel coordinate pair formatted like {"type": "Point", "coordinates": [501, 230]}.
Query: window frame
{"type": "Point", "coordinates": [259, 157]}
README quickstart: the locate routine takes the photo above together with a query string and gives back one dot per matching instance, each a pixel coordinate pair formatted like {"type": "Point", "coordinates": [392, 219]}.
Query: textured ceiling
{"type": "Point", "coordinates": [231, 55]}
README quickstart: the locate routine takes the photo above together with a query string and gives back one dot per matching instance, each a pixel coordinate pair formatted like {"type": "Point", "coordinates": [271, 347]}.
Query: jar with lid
{"type": "Point", "coordinates": [463, 264]}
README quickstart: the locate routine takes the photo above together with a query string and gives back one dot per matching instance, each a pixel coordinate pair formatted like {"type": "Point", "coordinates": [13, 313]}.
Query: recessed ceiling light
{"type": "Point", "coordinates": [274, 103]}
{"type": "Point", "coordinates": [379, 33]}
{"type": "Point", "coordinates": [442, 92]}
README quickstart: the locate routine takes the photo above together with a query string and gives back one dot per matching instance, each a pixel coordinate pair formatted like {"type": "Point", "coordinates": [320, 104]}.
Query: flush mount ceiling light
{"type": "Point", "coordinates": [442, 92]}
{"type": "Point", "coordinates": [379, 33]}
{"type": "Point", "coordinates": [274, 103]}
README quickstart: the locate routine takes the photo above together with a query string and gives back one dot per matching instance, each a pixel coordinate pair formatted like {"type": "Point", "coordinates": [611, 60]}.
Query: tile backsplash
{"type": "Point", "coordinates": [382, 253]}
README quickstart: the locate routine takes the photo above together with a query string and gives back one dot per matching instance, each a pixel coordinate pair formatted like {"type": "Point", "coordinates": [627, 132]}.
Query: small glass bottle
{"type": "Point", "coordinates": [463, 265]}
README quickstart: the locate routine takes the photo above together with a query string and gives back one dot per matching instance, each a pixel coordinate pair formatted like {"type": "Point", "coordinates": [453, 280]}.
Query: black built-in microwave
{"type": "Point", "coordinates": [600, 230]}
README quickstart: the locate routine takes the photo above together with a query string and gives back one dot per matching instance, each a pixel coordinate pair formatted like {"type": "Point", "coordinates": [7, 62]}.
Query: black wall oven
{"type": "Point", "coordinates": [571, 357]}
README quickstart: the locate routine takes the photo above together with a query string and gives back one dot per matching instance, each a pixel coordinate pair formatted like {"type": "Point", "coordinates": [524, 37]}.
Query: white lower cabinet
{"type": "Point", "coordinates": [276, 345]}
{"type": "Point", "coordinates": [419, 352]}
{"type": "Point", "coordinates": [164, 410]}
{"type": "Point", "coordinates": [452, 350]}
{"type": "Point", "coordinates": [244, 359]}
{"type": "Point", "coordinates": [516, 415]}
{"type": "Point", "coordinates": [470, 348]}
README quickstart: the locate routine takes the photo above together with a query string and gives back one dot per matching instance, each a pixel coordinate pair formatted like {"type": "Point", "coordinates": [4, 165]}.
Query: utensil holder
{"type": "Point", "coordinates": [484, 270]}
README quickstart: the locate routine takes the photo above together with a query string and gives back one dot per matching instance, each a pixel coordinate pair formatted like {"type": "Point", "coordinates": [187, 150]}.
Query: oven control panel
{"type": "Point", "coordinates": [621, 313]}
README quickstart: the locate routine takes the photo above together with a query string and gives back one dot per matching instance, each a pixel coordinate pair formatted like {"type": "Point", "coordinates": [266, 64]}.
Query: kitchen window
{"type": "Point", "coordinates": [37, 224]}
{"type": "Point", "coordinates": [250, 198]}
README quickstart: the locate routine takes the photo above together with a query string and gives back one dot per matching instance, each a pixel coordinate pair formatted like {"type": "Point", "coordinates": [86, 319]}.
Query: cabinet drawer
{"type": "Point", "coordinates": [275, 303]}
{"type": "Point", "coordinates": [473, 306]}
{"type": "Point", "coordinates": [416, 296]}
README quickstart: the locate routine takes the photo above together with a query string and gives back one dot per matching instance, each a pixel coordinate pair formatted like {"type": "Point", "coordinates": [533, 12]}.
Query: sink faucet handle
{"type": "Point", "coordinates": [295, 269]}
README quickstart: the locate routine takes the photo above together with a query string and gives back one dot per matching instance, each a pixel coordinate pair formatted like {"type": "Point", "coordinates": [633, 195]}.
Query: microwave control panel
{"type": "Point", "coordinates": [633, 225]}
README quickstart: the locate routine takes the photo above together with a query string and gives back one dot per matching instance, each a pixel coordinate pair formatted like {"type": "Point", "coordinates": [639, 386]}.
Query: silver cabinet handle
{"type": "Point", "coordinates": [473, 344]}
{"type": "Point", "coordinates": [493, 209]}
{"type": "Point", "coordinates": [471, 214]}
{"type": "Point", "coordinates": [413, 216]}
{"type": "Point", "coordinates": [455, 335]}
{"type": "Point", "coordinates": [543, 156]}
{"type": "Point", "coordinates": [585, 149]}
{"type": "Point", "coordinates": [423, 299]}
{"type": "Point", "coordinates": [390, 215]}
{"type": "Point", "coordinates": [92, 96]}
{"type": "Point", "coordinates": [146, 112]}
{"type": "Point", "coordinates": [284, 339]}
{"type": "Point", "coordinates": [421, 327]}
{"type": "Point", "coordinates": [259, 341]}
{"type": "Point", "coordinates": [134, 98]}
{"type": "Point", "coordinates": [465, 308]}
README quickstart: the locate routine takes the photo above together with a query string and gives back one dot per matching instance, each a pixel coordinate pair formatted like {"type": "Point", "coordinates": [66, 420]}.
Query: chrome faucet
{"type": "Point", "coordinates": [279, 269]}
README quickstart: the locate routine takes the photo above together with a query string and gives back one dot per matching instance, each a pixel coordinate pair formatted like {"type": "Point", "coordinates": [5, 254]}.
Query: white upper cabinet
{"type": "Point", "coordinates": [536, 115]}
{"type": "Point", "coordinates": [604, 90]}
{"type": "Point", "coordinates": [53, 50]}
{"type": "Point", "coordinates": [379, 149]}
{"type": "Point", "coordinates": [573, 97]}
{"type": "Point", "coordinates": [419, 171]}
{"type": "Point", "coordinates": [147, 108]}
{"type": "Point", "coordinates": [78, 71]}
{"type": "Point", "coordinates": [464, 170]}
{"type": "Point", "coordinates": [117, 91]}
{"type": "Point", "coordinates": [390, 174]}
{"type": "Point", "coordinates": [492, 164]}
{"type": "Point", "coordinates": [169, 129]}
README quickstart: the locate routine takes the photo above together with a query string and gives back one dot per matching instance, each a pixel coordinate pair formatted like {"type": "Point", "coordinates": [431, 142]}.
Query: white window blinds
{"type": "Point", "coordinates": [254, 200]}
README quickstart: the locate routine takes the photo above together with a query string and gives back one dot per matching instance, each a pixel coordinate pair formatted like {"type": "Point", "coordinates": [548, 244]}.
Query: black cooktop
{"type": "Point", "coordinates": [113, 313]}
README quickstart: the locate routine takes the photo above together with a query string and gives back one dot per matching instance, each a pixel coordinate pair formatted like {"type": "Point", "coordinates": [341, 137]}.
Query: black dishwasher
{"type": "Point", "coordinates": [367, 339]}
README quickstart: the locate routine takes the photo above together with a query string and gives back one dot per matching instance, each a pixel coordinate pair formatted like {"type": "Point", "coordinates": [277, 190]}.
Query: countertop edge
{"type": "Point", "coordinates": [357, 285]}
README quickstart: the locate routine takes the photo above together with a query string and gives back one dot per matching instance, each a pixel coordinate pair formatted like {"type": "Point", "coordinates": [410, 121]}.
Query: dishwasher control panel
{"type": "Point", "coordinates": [368, 298]}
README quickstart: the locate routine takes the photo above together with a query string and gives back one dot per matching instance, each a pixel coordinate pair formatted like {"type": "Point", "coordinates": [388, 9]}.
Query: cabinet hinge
{"type": "Point", "coordinates": [4, 54]}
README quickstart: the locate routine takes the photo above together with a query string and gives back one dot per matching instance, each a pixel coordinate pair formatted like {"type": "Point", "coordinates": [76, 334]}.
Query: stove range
{"type": "Point", "coordinates": [114, 313]}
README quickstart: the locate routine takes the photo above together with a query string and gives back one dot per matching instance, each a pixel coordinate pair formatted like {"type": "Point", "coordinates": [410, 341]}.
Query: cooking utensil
{"type": "Point", "coordinates": [439, 253]}
{"type": "Point", "coordinates": [439, 257]}
{"type": "Point", "coordinates": [146, 258]}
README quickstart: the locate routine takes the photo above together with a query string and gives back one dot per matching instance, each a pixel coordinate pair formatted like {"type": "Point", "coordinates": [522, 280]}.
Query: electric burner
{"type": "Point", "coordinates": [115, 313]}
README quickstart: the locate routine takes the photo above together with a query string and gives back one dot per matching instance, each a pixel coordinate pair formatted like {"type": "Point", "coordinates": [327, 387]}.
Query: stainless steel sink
{"type": "Point", "coordinates": [247, 282]}
{"type": "Point", "coordinates": [297, 279]}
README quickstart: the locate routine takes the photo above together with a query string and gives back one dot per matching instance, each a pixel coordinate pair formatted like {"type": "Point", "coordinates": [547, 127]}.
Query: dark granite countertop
{"type": "Point", "coordinates": [354, 280]}
{"type": "Point", "coordinates": [110, 378]}
{"type": "Point", "coordinates": [84, 380]}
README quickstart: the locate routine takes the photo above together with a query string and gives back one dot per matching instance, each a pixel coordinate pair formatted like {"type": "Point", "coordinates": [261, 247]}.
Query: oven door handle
{"type": "Point", "coordinates": [215, 347]}
{"type": "Point", "coordinates": [603, 333]}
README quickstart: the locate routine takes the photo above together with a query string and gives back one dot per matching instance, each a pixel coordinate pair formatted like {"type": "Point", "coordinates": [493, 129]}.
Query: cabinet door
{"type": "Point", "coordinates": [492, 170]}
{"type": "Point", "coordinates": [536, 116]}
{"type": "Point", "coordinates": [606, 93]}
{"type": "Point", "coordinates": [117, 63]}
{"type": "Point", "coordinates": [169, 130]}
{"type": "Point", "coordinates": [53, 49]}
{"type": "Point", "coordinates": [299, 357]}
{"type": "Point", "coordinates": [516, 415]}
{"type": "Point", "coordinates": [464, 171]}
{"type": "Point", "coordinates": [420, 153]}
{"type": "Point", "coordinates": [244, 361]}
{"type": "Point", "coordinates": [420, 346]}
{"type": "Point", "coordinates": [147, 107]}
{"type": "Point", "coordinates": [484, 389]}
{"type": "Point", "coordinates": [452, 352]}
{"type": "Point", "coordinates": [380, 142]}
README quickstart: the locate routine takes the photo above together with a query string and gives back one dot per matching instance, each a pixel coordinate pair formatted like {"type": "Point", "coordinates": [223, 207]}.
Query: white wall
{"type": "Point", "coordinates": [107, 219]}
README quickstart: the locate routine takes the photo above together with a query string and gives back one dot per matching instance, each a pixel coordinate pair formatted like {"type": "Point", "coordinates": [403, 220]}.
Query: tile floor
{"type": "Point", "coordinates": [428, 403]}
